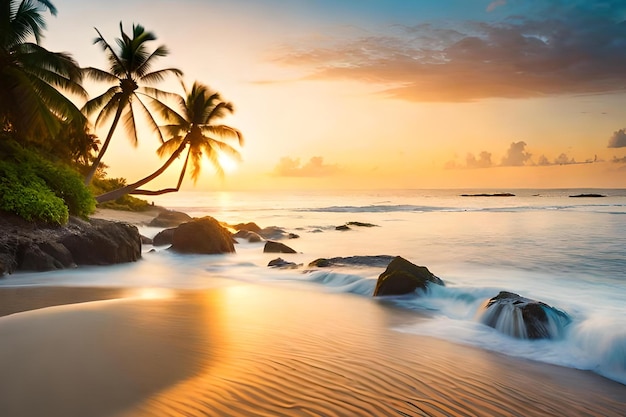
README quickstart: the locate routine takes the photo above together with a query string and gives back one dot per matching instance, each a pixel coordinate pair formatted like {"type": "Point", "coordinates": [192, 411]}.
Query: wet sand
{"type": "Point", "coordinates": [249, 350]}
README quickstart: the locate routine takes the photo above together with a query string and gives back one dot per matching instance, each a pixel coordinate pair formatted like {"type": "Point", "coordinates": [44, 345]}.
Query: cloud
{"type": "Point", "coordinates": [495, 4]}
{"type": "Point", "coordinates": [516, 155]}
{"type": "Point", "coordinates": [618, 139]}
{"type": "Point", "coordinates": [315, 167]}
{"type": "Point", "coordinates": [570, 48]}
{"type": "Point", "coordinates": [483, 161]}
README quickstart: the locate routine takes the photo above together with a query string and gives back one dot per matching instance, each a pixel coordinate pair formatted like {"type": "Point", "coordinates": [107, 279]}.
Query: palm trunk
{"type": "Point", "coordinates": [166, 190]}
{"type": "Point", "coordinates": [131, 188]}
{"type": "Point", "coordinates": [96, 163]}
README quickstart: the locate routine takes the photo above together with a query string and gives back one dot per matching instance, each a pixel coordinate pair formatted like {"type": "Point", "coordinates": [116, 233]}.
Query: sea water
{"type": "Point", "coordinates": [542, 244]}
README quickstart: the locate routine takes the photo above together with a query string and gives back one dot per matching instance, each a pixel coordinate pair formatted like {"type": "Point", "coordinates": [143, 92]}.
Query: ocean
{"type": "Point", "coordinates": [542, 244]}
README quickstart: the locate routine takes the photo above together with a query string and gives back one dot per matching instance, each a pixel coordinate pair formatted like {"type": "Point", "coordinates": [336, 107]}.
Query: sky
{"type": "Point", "coordinates": [366, 94]}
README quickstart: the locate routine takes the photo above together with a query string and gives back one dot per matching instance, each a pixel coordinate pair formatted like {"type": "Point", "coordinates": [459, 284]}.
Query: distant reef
{"type": "Point", "coordinates": [489, 195]}
{"type": "Point", "coordinates": [591, 195]}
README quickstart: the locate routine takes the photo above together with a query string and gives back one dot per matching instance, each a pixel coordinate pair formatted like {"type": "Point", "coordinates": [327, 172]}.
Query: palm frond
{"type": "Point", "coordinates": [99, 75]}
{"type": "Point", "coordinates": [160, 75]}
{"type": "Point", "coordinates": [97, 102]}
{"type": "Point", "coordinates": [169, 146]}
{"type": "Point", "coordinates": [57, 69]}
{"type": "Point", "coordinates": [223, 132]}
{"type": "Point", "coordinates": [166, 112]}
{"type": "Point", "coordinates": [109, 108]}
{"type": "Point", "coordinates": [152, 123]}
{"type": "Point", "coordinates": [130, 124]}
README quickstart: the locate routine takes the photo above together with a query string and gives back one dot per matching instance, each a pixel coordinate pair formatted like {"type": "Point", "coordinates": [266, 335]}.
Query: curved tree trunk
{"type": "Point", "coordinates": [133, 188]}
{"type": "Point", "coordinates": [96, 163]}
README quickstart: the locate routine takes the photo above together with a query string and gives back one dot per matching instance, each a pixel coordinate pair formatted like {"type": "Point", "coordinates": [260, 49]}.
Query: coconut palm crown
{"type": "Point", "coordinates": [31, 76]}
{"type": "Point", "coordinates": [192, 126]}
{"type": "Point", "coordinates": [196, 126]}
{"type": "Point", "coordinates": [130, 65]}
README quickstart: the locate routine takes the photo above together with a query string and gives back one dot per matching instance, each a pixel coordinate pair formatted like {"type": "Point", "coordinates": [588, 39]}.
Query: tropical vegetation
{"type": "Point", "coordinates": [130, 65]}
{"type": "Point", "coordinates": [193, 127]}
{"type": "Point", "coordinates": [48, 151]}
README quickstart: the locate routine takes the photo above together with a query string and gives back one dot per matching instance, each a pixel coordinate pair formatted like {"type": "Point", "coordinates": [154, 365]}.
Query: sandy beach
{"type": "Point", "coordinates": [249, 350]}
{"type": "Point", "coordinates": [259, 350]}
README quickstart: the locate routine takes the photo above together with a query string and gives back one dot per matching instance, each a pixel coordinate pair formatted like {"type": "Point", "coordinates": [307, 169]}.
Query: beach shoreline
{"type": "Point", "coordinates": [256, 350]}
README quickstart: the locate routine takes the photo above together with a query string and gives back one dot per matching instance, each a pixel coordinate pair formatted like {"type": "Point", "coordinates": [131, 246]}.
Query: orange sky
{"type": "Point", "coordinates": [451, 94]}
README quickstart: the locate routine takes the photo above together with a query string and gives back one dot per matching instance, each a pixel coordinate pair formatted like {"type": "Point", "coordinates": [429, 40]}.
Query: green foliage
{"type": "Point", "coordinates": [39, 190]}
{"type": "Point", "coordinates": [23, 193]}
{"type": "Point", "coordinates": [126, 202]}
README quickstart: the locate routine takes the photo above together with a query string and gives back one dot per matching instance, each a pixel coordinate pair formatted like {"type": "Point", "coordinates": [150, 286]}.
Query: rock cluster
{"type": "Point", "coordinates": [26, 246]}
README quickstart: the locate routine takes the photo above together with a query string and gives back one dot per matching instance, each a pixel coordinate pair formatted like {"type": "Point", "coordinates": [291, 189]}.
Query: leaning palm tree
{"type": "Point", "coordinates": [194, 128]}
{"type": "Point", "coordinates": [31, 76]}
{"type": "Point", "coordinates": [130, 65]}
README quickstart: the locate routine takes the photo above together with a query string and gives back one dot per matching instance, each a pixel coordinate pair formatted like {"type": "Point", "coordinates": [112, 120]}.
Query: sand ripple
{"type": "Point", "coordinates": [262, 351]}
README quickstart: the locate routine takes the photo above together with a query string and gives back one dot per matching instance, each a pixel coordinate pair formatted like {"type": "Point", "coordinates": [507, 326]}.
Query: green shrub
{"type": "Point", "coordinates": [39, 190]}
{"type": "Point", "coordinates": [26, 195]}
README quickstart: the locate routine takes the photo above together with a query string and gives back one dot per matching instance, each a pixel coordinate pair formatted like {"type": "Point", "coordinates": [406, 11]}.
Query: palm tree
{"type": "Point", "coordinates": [130, 65]}
{"type": "Point", "coordinates": [192, 128]}
{"type": "Point", "coordinates": [30, 75]}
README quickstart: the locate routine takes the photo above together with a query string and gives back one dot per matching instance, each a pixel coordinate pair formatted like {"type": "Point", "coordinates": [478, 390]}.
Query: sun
{"type": "Point", "coordinates": [227, 163]}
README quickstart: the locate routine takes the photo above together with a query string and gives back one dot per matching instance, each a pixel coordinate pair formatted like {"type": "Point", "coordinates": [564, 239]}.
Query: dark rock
{"type": "Point", "coordinates": [369, 261]}
{"type": "Point", "coordinates": [251, 237]}
{"type": "Point", "coordinates": [272, 233]}
{"type": "Point", "coordinates": [283, 264]}
{"type": "Point", "coordinates": [59, 252]}
{"type": "Point", "coordinates": [277, 247]}
{"type": "Point", "coordinates": [204, 236]}
{"type": "Point", "coordinates": [103, 243]}
{"type": "Point", "coordinates": [489, 195]}
{"type": "Point", "coordinates": [590, 195]}
{"type": "Point", "coordinates": [32, 258]}
{"type": "Point", "coordinates": [343, 227]}
{"type": "Point", "coordinates": [293, 236]}
{"type": "Point", "coordinates": [361, 224]}
{"type": "Point", "coordinates": [250, 227]}
{"type": "Point", "coordinates": [170, 218]}
{"type": "Point", "coordinates": [145, 240]}
{"type": "Point", "coordinates": [34, 246]}
{"type": "Point", "coordinates": [403, 277]}
{"type": "Point", "coordinates": [524, 318]}
{"type": "Point", "coordinates": [164, 237]}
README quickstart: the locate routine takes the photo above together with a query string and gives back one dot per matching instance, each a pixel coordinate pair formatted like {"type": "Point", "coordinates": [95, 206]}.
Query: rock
{"type": "Point", "coordinates": [403, 277]}
{"type": "Point", "coordinates": [34, 259]}
{"type": "Point", "coordinates": [145, 240]}
{"type": "Point", "coordinates": [251, 237]}
{"type": "Point", "coordinates": [170, 218]}
{"type": "Point", "coordinates": [41, 247]}
{"type": "Point", "coordinates": [272, 233]}
{"type": "Point", "coordinates": [489, 195]}
{"type": "Point", "coordinates": [204, 236]}
{"type": "Point", "coordinates": [343, 227]}
{"type": "Point", "coordinates": [361, 224]}
{"type": "Point", "coordinates": [250, 227]}
{"type": "Point", "coordinates": [281, 263]}
{"type": "Point", "coordinates": [587, 195]}
{"type": "Point", "coordinates": [293, 236]}
{"type": "Point", "coordinates": [103, 243]}
{"type": "Point", "coordinates": [524, 318]}
{"type": "Point", "coordinates": [372, 261]}
{"type": "Point", "coordinates": [277, 247]}
{"type": "Point", "coordinates": [164, 237]}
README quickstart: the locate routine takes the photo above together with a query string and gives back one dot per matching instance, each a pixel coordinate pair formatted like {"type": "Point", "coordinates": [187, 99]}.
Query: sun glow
{"type": "Point", "coordinates": [227, 163]}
